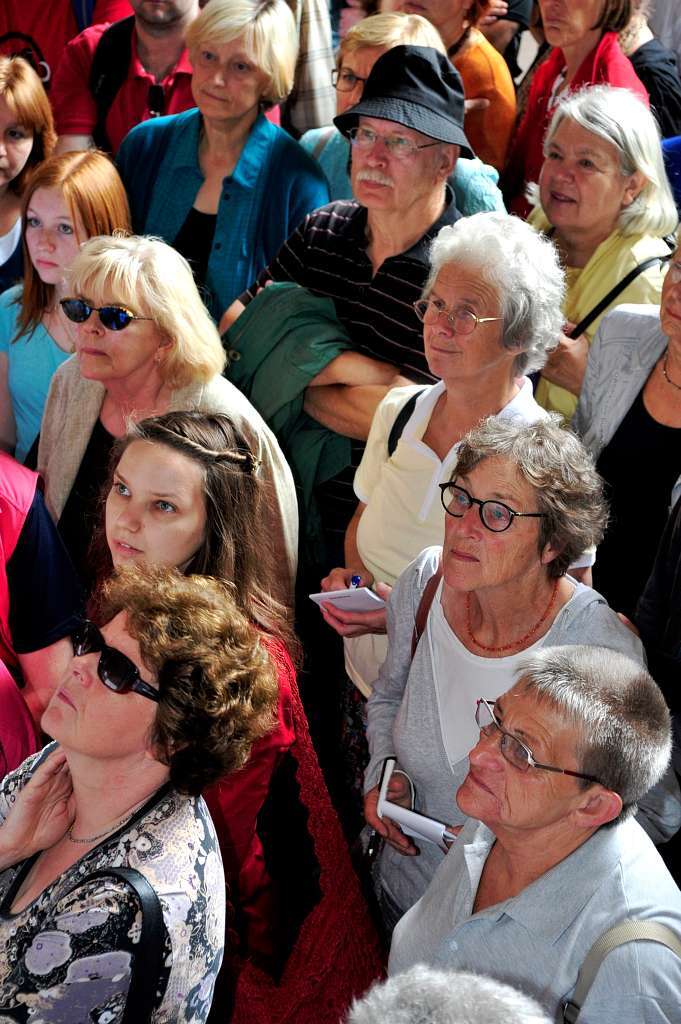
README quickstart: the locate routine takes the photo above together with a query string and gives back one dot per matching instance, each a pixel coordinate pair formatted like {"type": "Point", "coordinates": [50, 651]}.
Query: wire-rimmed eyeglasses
{"type": "Point", "coordinates": [513, 749]}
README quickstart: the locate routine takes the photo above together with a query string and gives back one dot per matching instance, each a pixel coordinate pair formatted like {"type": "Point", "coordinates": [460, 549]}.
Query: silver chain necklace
{"type": "Point", "coordinates": [91, 839]}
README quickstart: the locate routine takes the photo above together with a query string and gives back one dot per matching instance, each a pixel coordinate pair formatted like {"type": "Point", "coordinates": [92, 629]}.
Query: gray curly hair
{"type": "Point", "coordinates": [561, 471]}
{"type": "Point", "coordinates": [524, 270]}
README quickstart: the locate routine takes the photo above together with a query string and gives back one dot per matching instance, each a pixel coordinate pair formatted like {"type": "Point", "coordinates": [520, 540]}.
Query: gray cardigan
{"type": "Point", "coordinates": [628, 343]}
{"type": "Point", "coordinates": [73, 407]}
{"type": "Point", "coordinates": [403, 719]}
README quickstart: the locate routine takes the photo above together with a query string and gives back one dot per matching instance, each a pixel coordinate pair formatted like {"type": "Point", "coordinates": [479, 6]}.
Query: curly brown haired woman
{"type": "Point", "coordinates": [168, 696]}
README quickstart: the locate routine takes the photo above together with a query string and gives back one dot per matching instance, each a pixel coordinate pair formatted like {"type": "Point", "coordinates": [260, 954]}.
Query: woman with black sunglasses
{"type": "Point", "coordinates": [168, 696]}
{"type": "Point", "coordinates": [144, 345]}
{"type": "Point", "coordinates": [525, 500]}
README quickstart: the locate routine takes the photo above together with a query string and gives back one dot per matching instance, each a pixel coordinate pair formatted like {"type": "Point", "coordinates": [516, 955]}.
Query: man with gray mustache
{"type": "Point", "coordinates": [370, 255]}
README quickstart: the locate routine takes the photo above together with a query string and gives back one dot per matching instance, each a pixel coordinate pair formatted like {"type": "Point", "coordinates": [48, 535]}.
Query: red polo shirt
{"type": "Point", "coordinates": [44, 27]}
{"type": "Point", "coordinates": [74, 108]}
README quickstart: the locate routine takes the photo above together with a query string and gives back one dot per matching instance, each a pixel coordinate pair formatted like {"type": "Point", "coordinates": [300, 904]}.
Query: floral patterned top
{"type": "Point", "coordinates": [66, 958]}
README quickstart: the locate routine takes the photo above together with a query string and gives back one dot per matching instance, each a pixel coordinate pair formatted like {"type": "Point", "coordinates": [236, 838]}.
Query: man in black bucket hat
{"type": "Point", "coordinates": [370, 255]}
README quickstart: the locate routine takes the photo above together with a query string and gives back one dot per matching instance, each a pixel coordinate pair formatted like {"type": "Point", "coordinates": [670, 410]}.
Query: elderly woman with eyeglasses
{"type": "Point", "coordinates": [550, 858]}
{"type": "Point", "coordinates": [166, 698]}
{"type": "Point", "coordinates": [490, 311]}
{"type": "Point", "coordinates": [523, 501]}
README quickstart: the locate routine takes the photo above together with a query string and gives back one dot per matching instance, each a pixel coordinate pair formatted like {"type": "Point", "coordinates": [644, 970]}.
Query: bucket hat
{"type": "Point", "coordinates": [415, 86]}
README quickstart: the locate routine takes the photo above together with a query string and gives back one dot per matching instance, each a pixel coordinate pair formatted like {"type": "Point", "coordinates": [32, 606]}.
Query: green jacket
{"type": "Point", "coordinates": [284, 338]}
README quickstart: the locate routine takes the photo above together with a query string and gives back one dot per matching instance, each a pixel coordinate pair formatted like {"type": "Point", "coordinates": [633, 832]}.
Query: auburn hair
{"type": "Point", "coordinates": [24, 94]}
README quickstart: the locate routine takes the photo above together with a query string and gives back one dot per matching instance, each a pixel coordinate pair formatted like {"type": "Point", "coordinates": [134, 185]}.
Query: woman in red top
{"type": "Point", "coordinates": [185, 491]}
{"type": "Point", "coordinates": [583, 34]}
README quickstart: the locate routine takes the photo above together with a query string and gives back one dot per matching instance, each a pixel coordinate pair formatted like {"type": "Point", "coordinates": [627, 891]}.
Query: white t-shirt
{"type": "Point", "coordinates": [10, 241]}
{"type": "Point", "coordinates": [404, 513]}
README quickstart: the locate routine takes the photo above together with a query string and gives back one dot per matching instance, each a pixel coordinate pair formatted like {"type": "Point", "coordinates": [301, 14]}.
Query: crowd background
{"type": "Point", "coordinates": [377, 301]}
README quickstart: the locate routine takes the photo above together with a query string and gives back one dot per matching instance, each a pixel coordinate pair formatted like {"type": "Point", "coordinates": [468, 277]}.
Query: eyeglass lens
{"type": "Point", "coordinates": [511, 748]}
{"type": "Point", "coordinates": [461, 319]}
{"type": "Point", "coordinates": [494, 515]}
{"type": "Point", "coordinates": [115, 669]}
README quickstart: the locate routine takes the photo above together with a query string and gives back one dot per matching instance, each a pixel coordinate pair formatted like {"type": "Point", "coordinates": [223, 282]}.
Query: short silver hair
{"type": "Point", "coordinates": [622, 722]}
{"type": "Point", "coordinates": [524, 270]}
{"type": "Point", "coordinates": [619, 117]}
{"type": "Point", "coordinates": [423, 995]}
{"type": "Point", "coordinates": [556, 464]}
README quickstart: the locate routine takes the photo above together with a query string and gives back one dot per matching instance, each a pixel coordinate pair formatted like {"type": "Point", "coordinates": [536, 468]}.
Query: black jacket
{"type": "Point", "coordinates": [658, 615]}
{"type": "Point", "coordinates": [656, 67]}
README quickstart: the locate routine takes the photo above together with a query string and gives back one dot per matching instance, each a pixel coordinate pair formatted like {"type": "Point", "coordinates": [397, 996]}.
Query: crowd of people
{"type": "Point", "coordinates": [379, 304]}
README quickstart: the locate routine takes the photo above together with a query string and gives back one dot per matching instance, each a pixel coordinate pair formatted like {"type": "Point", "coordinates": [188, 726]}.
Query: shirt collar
{"type": "Point", "coordinates": [523, 405]}
{"type": "Point", "coordinates": [550, 904]}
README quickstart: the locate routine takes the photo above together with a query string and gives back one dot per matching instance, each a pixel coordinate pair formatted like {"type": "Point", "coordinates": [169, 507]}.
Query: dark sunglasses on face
{"type": "Point", "coordinates": [113, 318]}
{"type": "Point", "coordinates": [115, 669]}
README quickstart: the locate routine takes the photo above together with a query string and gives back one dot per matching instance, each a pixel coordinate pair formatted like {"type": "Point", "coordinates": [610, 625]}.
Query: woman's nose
{"type": "Point", "coordinates": [84, 668]}
{"type": "Point", "coordinates": [487, 752]}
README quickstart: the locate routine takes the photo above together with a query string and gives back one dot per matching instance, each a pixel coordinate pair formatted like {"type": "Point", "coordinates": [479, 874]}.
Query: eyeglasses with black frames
{"type": "Point", "coordinates": [495, 515]}
{"type": "Point", "coordinates": [513, 749]}
{"type": "Point", "coordinates": [461, 319]}
{"type": "Point", "coordinates": [345, 80]}
{"type": "Point", "coordinates": [115, 669]}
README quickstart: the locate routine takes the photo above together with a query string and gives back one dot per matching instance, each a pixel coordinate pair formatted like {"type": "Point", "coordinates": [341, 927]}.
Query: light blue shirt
{"type": "Point", "coordinates": [32, 360]}
{"type": "Point", "coordinates": [272, 188]}
{"type": "Point", "coordinates": [538, 940]}
{"type": "Point", "coordinates": [474, 183]}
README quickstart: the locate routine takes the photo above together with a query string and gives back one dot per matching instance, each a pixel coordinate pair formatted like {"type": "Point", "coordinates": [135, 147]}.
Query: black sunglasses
{"type": "Point", "coordinates": [115, 669]}
{"type": "Point", "coordinates": [114, 318]}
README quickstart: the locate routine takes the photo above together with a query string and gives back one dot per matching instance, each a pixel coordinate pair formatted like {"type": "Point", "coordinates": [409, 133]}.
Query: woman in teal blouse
{"type": "Point", "coordinates": [219, 182]}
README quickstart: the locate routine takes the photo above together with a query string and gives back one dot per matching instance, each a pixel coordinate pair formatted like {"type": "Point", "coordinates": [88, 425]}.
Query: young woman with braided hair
{"type": "Point", "coordinates": [183, 491]}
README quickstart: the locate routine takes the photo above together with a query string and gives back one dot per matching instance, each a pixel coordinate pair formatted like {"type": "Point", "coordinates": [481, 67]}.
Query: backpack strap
{"type": "Point", "coordinates": [147, 960]}
{"type": "Point", "coordinates": [82, 12]}
{"type": "Point", "coordinates": [423, 610]}
{"type": "Point", "coordinates": [401, 420]}
{"type": "Point", "coordinates": [629, 930]}
{"type": "Point", "coordinates": [594, 313]}
{"type": "Point", "coordinates": [110, 67]}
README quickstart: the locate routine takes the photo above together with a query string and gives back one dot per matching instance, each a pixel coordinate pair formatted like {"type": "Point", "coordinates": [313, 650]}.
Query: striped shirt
{"type": "Point", "coordinates": [327, 254]}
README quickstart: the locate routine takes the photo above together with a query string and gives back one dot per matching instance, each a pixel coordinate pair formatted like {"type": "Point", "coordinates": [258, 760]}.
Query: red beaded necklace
{"type": "Point", "coordinates": [515, 643]}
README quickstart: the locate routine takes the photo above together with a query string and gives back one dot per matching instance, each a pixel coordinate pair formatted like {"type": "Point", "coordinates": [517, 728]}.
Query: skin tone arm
{"type": "Point", "coordinates": [566, 365]}
{"type": "Point", "coordinates": [353, 623]}
{"type": "Point", "coordinates": [41, 813]}
{"type": "Point", "coordinates": [230, 316]}
{"type": "Point", "coordinates": [8, 435]}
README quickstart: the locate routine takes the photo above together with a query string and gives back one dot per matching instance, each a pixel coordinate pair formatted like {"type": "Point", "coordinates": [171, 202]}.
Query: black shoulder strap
{"type": "Point", "coordinates": [110, 66]}
{"type": "Point", "coordinates": [148, 957]}
{"type": "Point", "coordinates": [401, 421]}
{"type": "Point", "coordinates": [594, 313]}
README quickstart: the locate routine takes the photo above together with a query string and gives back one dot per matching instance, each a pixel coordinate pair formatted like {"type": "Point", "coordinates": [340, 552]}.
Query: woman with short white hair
{"type": "Point", "coordinates": [145, 345]}
{"type": "Point", "coordinates": [604, 199]}
{"type": "Point", "coordinates": [220, 182]}
{"type": "Point", "coordinates": [490, 311]}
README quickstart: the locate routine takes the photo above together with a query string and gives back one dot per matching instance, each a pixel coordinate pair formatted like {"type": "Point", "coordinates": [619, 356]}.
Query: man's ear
{"type": "Point", "coordinates": [598, 807]}
{"type": "Point", "coordinates": [449, 155]}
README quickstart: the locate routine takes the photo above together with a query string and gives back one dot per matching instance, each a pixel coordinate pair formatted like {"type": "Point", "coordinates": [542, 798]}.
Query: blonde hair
{"type": "Point", "coordinates": [93, 191]}
{"type": "Point", "coordinates": [269, 34]}
{"type": "Point", "coordinates": [24, 94]}
{"type": "Point", "coordinates": [153, 280]}
{"type": "Point", "coordinates": [388, 30]}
